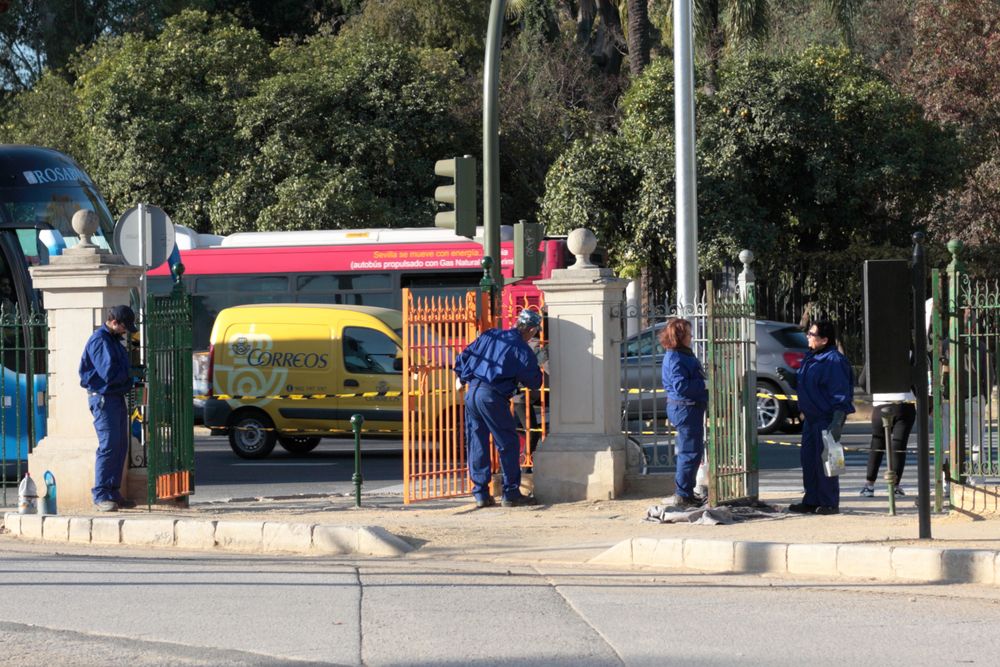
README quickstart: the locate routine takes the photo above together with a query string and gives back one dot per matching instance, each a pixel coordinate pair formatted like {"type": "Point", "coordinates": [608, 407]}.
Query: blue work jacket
{"type": "Point", "coordinates": [104, 367]}
{"type": "Point", "coordinates": [683, 378]}
{"type": "Point", "coordinates": [825, 384]}
{"type": "Point", "coordinates": [501, 359]}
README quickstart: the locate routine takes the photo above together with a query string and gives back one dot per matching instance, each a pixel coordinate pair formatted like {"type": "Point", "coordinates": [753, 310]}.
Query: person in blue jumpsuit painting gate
{"type": "Point", "coordinates": [825, 387]}
{"type": "Point", "coordinates": [491, 367]}
{"type": "Point", "coordinates": [687, 398]}
{"type": "Point", "coordinates": [104, 373]}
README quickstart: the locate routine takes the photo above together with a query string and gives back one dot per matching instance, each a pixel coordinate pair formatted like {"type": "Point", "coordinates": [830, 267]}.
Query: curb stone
{"type": "Point", "coordinates": [855, 561]}
{"type": "Point", "coordinates": [248, 536]}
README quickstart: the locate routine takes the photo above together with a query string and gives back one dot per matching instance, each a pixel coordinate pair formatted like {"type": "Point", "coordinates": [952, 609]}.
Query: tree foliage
{"type": "Point", "coordinates": [954, 71]}
{"type": "Point", "coordinates": [807, 153]}
{"type": "Point", "coordinates": [344, 134]}
{"type": "Point", "coordinates": [159, 112]}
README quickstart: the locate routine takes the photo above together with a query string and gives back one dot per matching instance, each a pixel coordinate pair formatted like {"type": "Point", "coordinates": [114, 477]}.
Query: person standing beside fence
{"type": "Point", "coordinates": [104, 373]}
{"type": "Point", "coordinates": [904, 413]}
{"type": "Point", "coordinates": [825, 387]}
{"type": "Point", "coordinates": [492, 366]}
{"type": "Point", "coordinates": [687, 398]}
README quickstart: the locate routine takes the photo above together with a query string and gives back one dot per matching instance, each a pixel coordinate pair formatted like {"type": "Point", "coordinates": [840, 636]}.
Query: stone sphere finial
{"type": "Point", "coordinates": [85, 224]}
{"type": "Point", "coordinates": [746, 256]}
{"type": "Point", "coordinates": [582, 243]}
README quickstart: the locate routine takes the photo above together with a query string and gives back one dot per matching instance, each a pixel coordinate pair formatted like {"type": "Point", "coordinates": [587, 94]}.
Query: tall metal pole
{"type": "Point", "coordinates": [491, 140]}
{"type": "Point", "coordinates": [687, 210]}
{"type": "Point", "coordinates": [920, 385]}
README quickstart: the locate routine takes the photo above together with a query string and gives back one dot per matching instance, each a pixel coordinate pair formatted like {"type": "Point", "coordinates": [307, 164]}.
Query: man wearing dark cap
{"type": "Point", "coordinates": [104, 373]}
{"type": "Point", "coordinates": [492, 366]}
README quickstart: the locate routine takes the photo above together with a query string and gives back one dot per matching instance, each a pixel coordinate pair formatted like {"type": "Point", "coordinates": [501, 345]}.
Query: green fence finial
{"type": "Point", "coordinates": [955, 247]}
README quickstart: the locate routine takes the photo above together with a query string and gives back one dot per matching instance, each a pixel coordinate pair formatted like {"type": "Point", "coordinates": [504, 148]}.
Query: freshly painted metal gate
{"type": "Point", "coordinates": [169, 422]}
{"type": "Point", "coordinates": [435, 331]}
{"type": "Point", "coordinates": [724, 339]}
{"type": "Point", "coordinates": [731, 437]}
{"type": "Point", "coordinates": [965, 366]}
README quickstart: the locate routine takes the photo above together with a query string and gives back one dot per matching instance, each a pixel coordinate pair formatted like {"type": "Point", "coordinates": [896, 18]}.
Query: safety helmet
{"type": "Point", "coordinates": [529, 319]}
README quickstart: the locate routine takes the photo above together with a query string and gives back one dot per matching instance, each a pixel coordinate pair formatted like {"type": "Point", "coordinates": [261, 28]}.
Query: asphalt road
{"type": "Point", "coordinates": [220, 475]}
{"type": "Point", "coordinates": [116, 607]}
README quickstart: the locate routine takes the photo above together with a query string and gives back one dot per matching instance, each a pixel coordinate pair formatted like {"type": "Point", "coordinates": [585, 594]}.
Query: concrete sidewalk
{"type": "Point", "coordinates": [863, 542]}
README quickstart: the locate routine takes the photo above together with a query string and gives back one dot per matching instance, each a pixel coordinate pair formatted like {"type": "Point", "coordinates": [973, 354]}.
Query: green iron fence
{"type": "Point", "coordinates": [731, 346]}
{"type": "Point", "coordinates": [965, 367]}
{"type": "Point", "coordinates": [170, 419]}
{"type": "Point", "coordinates": [724, 338]}
{"type": "Point", "coordinates": [23, 393]}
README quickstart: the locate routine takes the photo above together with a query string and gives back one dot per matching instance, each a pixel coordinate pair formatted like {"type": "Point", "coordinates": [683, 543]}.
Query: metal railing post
{"type": "Point", "coordinates": [356, 421]}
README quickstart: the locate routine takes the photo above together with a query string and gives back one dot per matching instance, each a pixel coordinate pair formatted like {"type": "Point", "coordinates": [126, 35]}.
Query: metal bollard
{"type": "Point", "coordinates": [49, 499]}
{"type": "Point", "coordinates": [890, 474]}
{"type": "Point", "coordinates": [356, 421]}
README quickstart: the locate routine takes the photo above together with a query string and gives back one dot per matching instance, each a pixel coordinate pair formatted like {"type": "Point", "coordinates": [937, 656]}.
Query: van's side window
{"type": "Point", "coordinates": [369, 351]}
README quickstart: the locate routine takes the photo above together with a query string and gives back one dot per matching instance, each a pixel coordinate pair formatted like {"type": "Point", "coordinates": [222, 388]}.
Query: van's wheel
{"type": "Point", "coordinates": [298, 444]}
{"type": "Point", "coordinates": [251, 434]}
{"type": "Point", "coordinates": [771, 411]}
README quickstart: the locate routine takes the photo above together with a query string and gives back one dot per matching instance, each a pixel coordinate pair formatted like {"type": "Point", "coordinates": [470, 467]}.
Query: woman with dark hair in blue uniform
{"type": "Point", "coordinates": [687, 397]}
{"type": "Point", "coordinates": [825, 387]}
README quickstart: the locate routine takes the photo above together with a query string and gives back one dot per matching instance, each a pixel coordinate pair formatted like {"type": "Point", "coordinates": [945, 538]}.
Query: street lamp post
{"type": "Point", "coordinates": [687, 210]}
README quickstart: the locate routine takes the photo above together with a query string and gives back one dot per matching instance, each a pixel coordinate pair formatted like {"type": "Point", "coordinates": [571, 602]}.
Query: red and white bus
{"type": "Point", "coordinates": [351, 266]}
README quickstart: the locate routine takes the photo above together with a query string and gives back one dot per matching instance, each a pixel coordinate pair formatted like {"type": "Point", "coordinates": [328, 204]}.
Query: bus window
{"type": "Point", "coordinates": [369, 351]}
{"type": "Point", "coordinates": [264, 283]}
{"type": "Point", "coordinates": [344, 282]}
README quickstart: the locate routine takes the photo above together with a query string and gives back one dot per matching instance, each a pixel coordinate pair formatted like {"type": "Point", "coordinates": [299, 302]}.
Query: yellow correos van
{"type": "Point", "coordinates": [265, 354]}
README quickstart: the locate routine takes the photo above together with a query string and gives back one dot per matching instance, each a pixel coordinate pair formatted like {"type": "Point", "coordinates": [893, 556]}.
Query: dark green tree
{"type": "Point", "coordinates": [813, 153]}
{"type": "Point", "coordinates": [159, 113]}
{"type": "Point", "coordinates": [344, 135]}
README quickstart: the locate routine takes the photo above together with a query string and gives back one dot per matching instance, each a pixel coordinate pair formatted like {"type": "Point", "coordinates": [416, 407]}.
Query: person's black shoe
{"type": "Point", "coordinates": [485, 501]}
{"type": "Point", "coordinates": [825, 509]}
{"type": "Point", "coordinates": [106, 506]}
{"type": "Point", "coordinates": [803, 508]}
{"type": "Point", "coordinates": [520, 501]}
{"type": "Point", "coordinates": [684, 501]}
{"type": "Point", "coordinates": [125, 504]}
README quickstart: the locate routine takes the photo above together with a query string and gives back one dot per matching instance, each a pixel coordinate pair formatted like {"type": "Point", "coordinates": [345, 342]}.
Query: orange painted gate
{"type": "Point", "coordinates": [435, 331]}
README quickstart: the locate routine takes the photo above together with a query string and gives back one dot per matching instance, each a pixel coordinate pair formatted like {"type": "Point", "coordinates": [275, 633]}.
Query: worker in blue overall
{"type": "Point", "coordinates": [491, 367]}
{"type": "Point", "coordinates": [104, 373]}
{"type": "Point", "coordinates": [825, 387]}
{"type": "Point", "coordinates": [687, 398]}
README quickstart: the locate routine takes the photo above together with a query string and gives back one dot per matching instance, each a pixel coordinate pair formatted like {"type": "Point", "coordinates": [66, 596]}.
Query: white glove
{"type": "Point", "coordinates": [458, 383]}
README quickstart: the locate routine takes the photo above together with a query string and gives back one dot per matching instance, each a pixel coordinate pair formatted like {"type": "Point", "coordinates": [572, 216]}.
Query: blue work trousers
{"type": "Point", "coordinates": [689, 444]}
{"type": "Point", "coordinates": [821, 490]}
{"type": "Point", "coordinates": [111, 424]}
{"type": "Point", "coordinates": [488, 412]}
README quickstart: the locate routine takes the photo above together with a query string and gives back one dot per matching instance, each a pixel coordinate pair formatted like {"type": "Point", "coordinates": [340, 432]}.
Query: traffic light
{"type": "Point", "coordinates": [462, 195]}
{"type": "Point", "coordinates": [527, 256]}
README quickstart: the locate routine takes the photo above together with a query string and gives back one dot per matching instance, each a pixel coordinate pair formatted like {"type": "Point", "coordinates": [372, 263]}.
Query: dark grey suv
{"type": "Point", "coordinates": [779, 344]}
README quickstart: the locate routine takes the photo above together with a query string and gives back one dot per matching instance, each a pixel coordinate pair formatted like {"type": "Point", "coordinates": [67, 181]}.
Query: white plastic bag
{"type": "Point", "coordinates": [833, 456]}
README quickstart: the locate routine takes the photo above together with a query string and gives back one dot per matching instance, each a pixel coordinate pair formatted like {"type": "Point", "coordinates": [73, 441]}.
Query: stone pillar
{"type": "Point", "coordinates": [78, 287]}
{"type": "Point", "coordinates": [583, 455]}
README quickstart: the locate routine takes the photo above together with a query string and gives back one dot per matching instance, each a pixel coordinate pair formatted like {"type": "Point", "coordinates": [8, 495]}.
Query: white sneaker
{"type": "Point", "coordinates": [867, 491]}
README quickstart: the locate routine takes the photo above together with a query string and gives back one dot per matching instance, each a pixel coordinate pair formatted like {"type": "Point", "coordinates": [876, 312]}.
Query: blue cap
{"type": "Point", "coordinates": [529, 319]}
{"type": "Point", "coordinates": [123, 315]}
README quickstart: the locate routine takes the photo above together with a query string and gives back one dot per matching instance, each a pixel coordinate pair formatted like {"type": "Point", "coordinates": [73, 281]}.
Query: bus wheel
{"type": "Point", "coordinates": [298, 444]}
{"type": "Point", "coordinates": [251, 434]}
